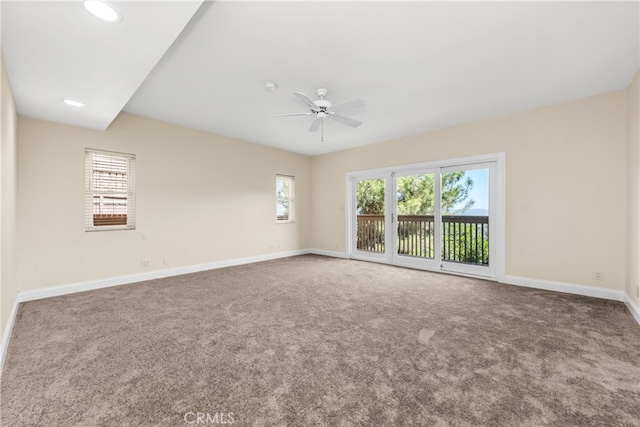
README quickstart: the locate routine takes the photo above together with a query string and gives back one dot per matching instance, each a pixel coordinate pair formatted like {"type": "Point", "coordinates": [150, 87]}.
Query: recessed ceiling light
{"type": "Point", "coordinates": [73, 102]}
{"type": "Point", "coordinates": [102, 10]}
{"type": "Point", "coordinates": [270, 86]}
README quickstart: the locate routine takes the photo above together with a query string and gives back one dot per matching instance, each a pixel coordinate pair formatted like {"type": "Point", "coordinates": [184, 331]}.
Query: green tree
{"type": "Point", "coordinates": [370, 197]}
{"type": "Point", "coordinates": [416, 194]}
{"type": "Point", "coordinates": [455, 191]}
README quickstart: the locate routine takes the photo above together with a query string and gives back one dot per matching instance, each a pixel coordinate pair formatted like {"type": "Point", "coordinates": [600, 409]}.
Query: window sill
{"type": "Point", "coordinates": [109, 228]}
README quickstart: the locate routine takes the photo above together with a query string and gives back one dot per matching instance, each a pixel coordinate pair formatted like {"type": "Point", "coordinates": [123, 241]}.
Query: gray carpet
{"type": "Point", "coordinates": [318, 341]}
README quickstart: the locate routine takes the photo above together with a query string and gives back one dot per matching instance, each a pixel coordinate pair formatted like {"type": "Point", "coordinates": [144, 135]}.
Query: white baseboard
{"type": "Point", "coordinates": [4, 344]}
{"type": "Point", "coordinates": [328, 253]}
{"type": "Point", "coordinates": [72, 288]}
{"type": "Point", "coordinates": [569, 288]}
{"type": "Point", "coordinates": [633, 307]}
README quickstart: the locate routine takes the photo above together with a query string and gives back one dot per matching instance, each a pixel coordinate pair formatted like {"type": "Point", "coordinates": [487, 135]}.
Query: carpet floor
{"type": "Point", "coordinates": [318, 341]}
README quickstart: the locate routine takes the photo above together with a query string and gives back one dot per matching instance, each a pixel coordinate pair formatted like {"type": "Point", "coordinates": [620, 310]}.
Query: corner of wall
{"type": "Point", "coordinates": [8, 206]}
{"type": "Point", "coordinates": [632, 276]}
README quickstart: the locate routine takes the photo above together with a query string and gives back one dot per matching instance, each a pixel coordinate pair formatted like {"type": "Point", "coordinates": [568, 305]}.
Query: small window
{"type": "Point", "coordinates": [109, 191]}
{"type": "Point", "coordinates": [284, 198]}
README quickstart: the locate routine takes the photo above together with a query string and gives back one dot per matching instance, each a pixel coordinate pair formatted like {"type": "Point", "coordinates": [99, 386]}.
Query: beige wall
{"type": "Point", "coordinates": [8, 195]}
{"type": "Point", "coordinates": [204, 198]}
{"type": "Point", "coordinates": [633, 189]}
{"type": "Point", "coordinates": [565, 186]}
{"type": "Point", "coordinates": [200, 198]}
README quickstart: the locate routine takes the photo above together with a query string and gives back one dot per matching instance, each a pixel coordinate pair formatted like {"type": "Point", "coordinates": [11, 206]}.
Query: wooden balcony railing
{"type": "Point", "coordinates": [464, 238]}
{"type": "Point", "coordinates": [371, 233]}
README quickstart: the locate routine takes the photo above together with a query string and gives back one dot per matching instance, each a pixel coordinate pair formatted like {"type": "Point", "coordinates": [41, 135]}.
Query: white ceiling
{"type": "Point", "coordinates": [418, 66]}
{"type": "Point", "coordinates": [56, 49]}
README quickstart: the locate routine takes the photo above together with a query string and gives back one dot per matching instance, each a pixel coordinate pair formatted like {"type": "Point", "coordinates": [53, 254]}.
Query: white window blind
{"type": "Point", "coordinates": [284, 198]}
{"type": "Point", "coordinates": [109, 191]}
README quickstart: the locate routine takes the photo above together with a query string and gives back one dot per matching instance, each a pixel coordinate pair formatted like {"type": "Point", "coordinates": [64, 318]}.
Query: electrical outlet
{"type": "Point", "coordinates": [638, 291]}
{"type": "Point", "coordinates": [165, 261]}
{"type": "Point", "coordinates": [145, 263]}
{"type": "Point", "coordinates": [597, 275]}
{"type": "Point", "coordinates": [145, 237]}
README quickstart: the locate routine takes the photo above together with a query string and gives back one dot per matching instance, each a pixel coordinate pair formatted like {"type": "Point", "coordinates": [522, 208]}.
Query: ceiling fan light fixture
{"type": "Point", "coordinates": [73, 103]}
{"type": "Point", "coordinates": [102, 10]}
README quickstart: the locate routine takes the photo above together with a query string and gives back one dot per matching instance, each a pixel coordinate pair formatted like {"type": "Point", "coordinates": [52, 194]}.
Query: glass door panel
{"type": "Point", "coordinates": [416, 227]}
{"type": "Point", "coordinates": [370, 215]}
{"type": "Point", "coordinates": [415, 207]}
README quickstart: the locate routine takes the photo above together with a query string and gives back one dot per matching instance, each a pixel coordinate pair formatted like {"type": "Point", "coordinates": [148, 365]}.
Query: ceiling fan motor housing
{"type": "Point", "coordinates": [322, 104]}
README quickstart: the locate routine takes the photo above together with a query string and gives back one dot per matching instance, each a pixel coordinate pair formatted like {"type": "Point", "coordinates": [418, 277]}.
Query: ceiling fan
{"type": "Point", "coordinates": [322, 109]}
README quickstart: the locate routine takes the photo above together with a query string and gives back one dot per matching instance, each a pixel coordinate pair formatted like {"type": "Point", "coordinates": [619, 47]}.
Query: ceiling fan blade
{"type": "Point", "coordinates": [292, 114]}
{"type": "Point", "coordinates": [352, 103]}
{"type": "Point", "coordinates": [315, 125]}
{"type": "Point", "coordinates": [304, 98]}
{"type": "Point", "coordinates": [346, 120]}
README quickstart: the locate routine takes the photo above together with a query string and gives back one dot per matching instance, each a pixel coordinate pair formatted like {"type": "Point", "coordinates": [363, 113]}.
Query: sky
{"type": "Point", "coordinates": [480, 191]}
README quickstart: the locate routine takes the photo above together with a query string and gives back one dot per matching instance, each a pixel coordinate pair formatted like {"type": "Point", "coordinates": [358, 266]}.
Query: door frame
{"type": "Point", "coordinates": [498, 216]}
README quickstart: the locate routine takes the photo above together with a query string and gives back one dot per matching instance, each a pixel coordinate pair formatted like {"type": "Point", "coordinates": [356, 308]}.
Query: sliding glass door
{"type": "Point", "coordinates": [438, 218]}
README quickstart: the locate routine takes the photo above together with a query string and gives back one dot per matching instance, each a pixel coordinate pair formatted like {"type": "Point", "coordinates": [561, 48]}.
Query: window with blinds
{"type": "Point", "coordinates": [109, 191]}
{"type": "Point", "coordinates": [284, 198]}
